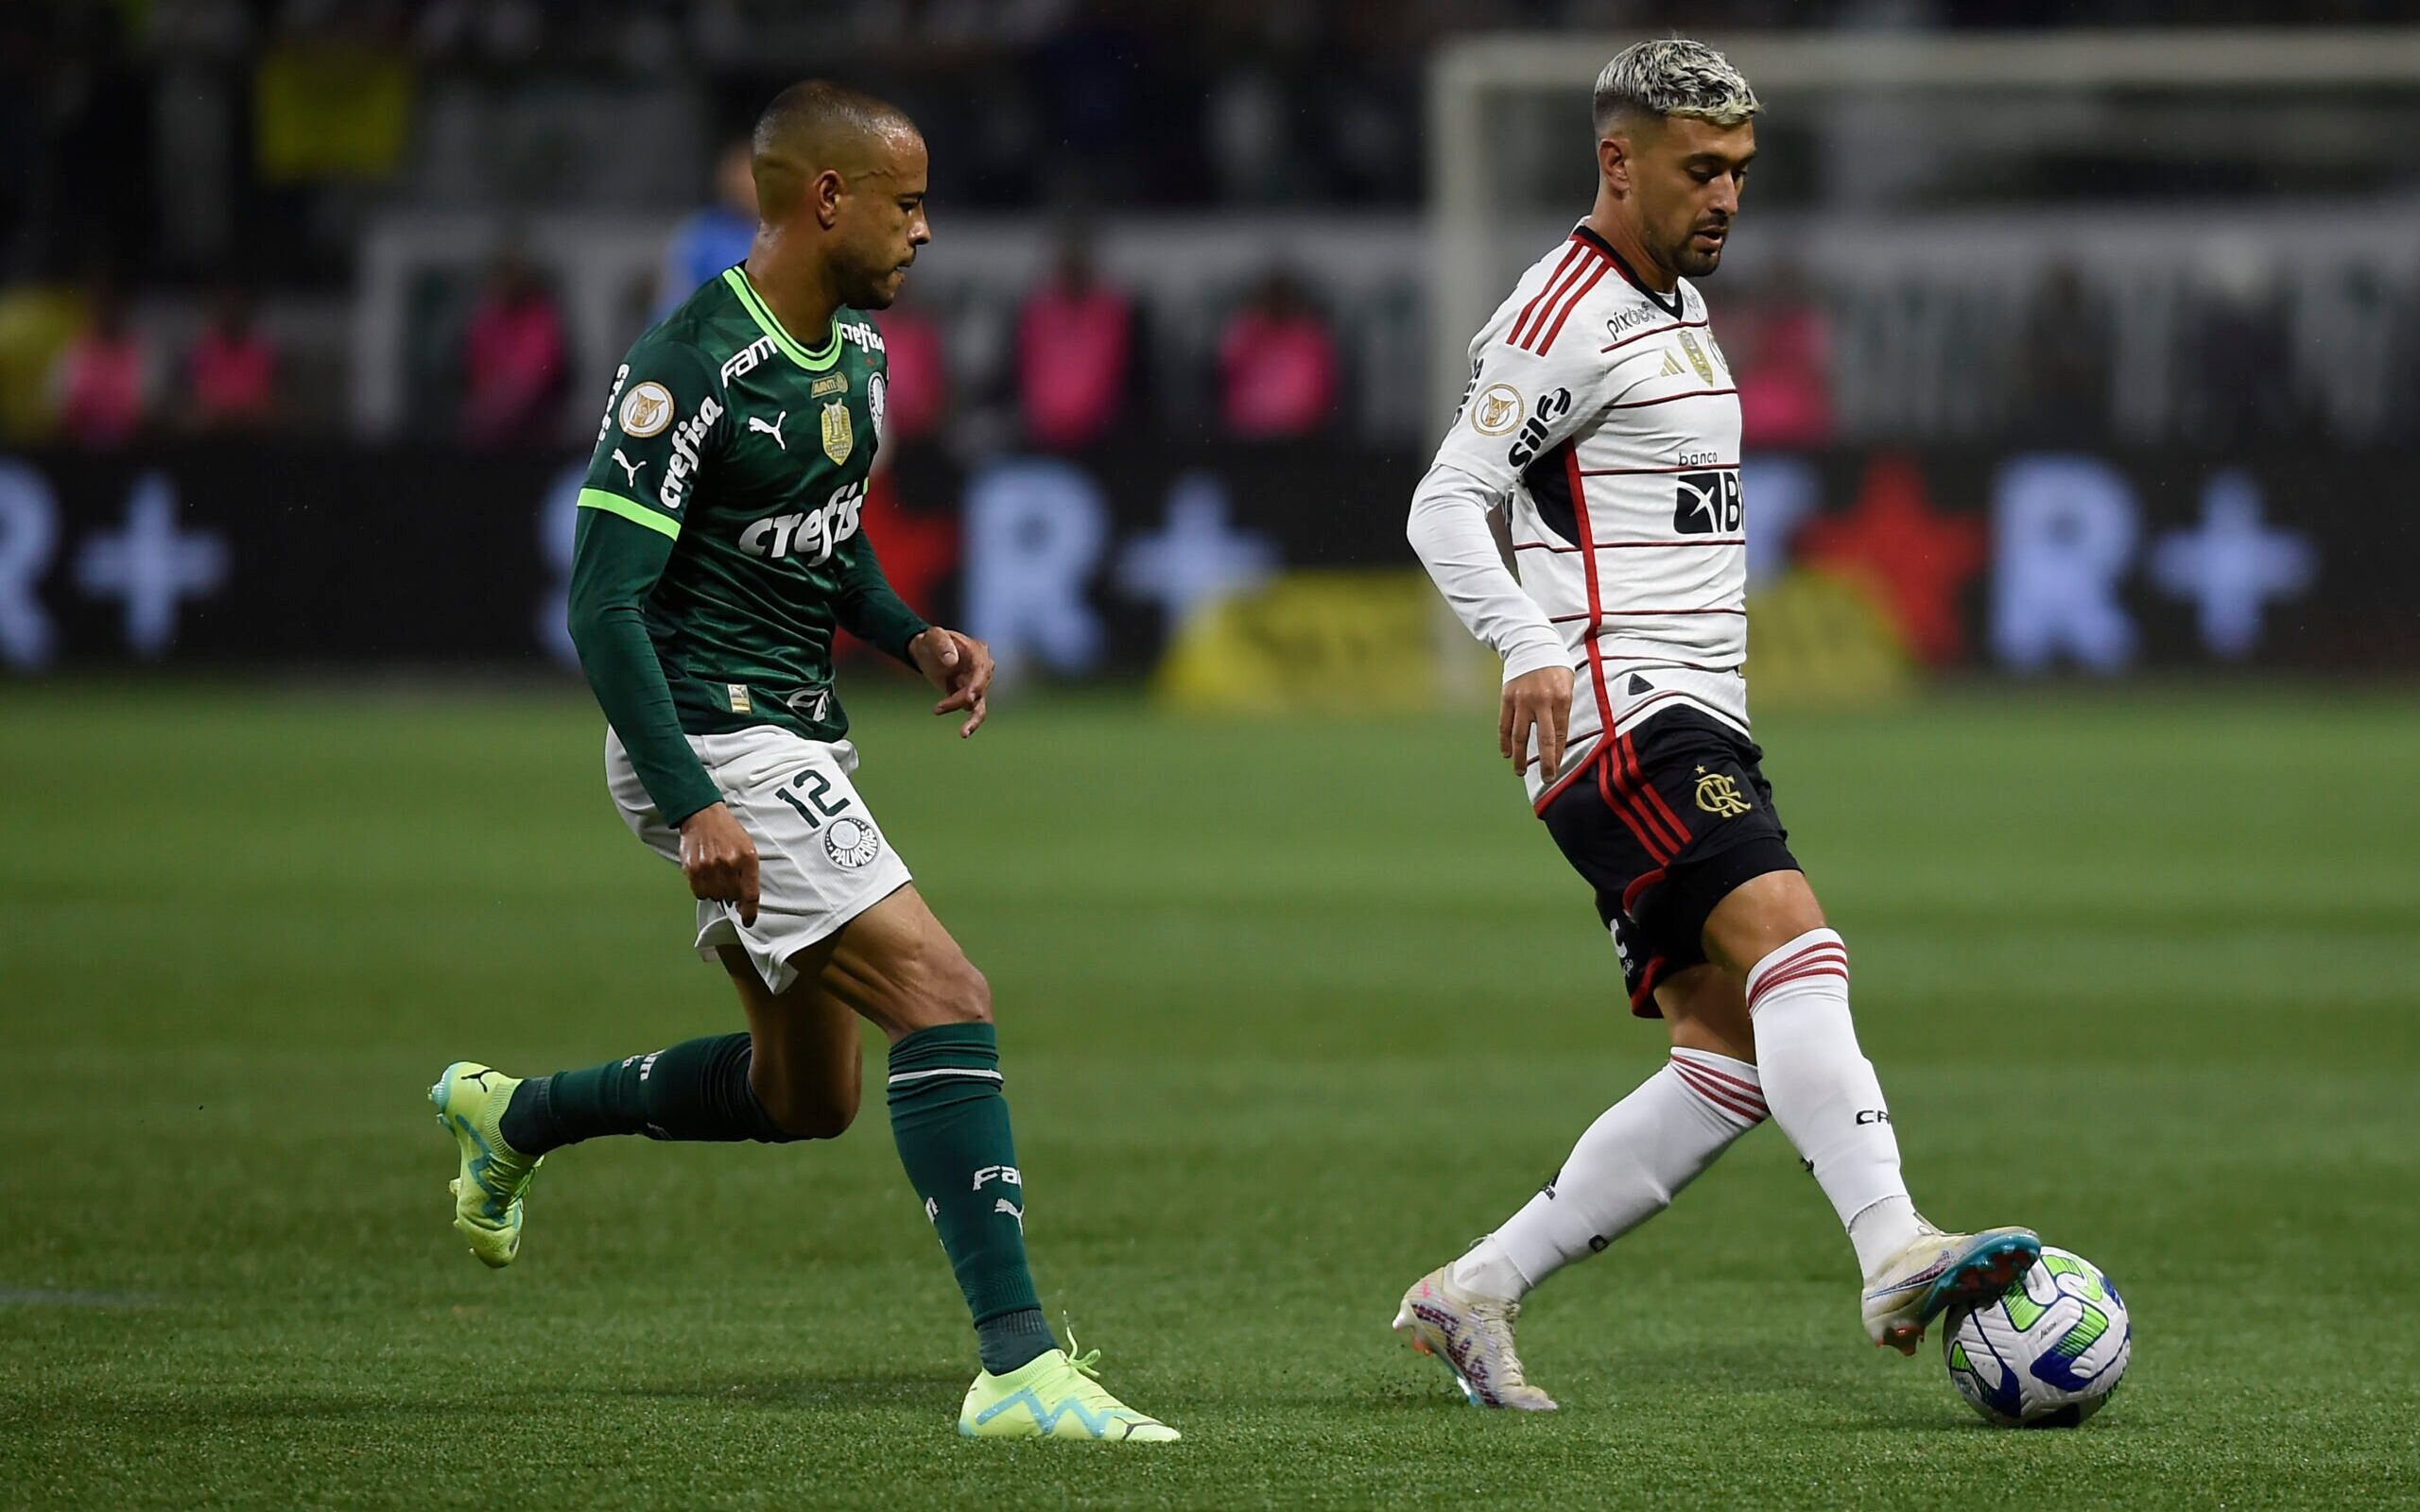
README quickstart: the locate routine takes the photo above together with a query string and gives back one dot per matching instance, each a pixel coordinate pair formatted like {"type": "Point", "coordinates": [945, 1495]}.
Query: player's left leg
{"type": "Point", "coordinates": [1625, 1169]}
{"type": "Point", "coordinates": [1825, 1096]}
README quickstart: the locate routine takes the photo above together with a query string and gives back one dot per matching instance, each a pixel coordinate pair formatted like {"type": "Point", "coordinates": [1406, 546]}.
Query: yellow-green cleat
{"type": "Point", "coordinates": [1054, 1395]}
{"type": "Point", "coordinates": [470, 1099]}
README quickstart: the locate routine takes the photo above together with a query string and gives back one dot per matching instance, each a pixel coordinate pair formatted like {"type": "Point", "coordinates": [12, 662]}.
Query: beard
{"type": "Point", "coordinates": [868, 284]}
{"type": "Point", "coordinates": [869, 291]}
{"type": "Point", "coordinates": [1693, 259]}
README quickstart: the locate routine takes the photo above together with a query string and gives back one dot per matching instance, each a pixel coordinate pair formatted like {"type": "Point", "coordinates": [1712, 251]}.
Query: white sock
{"type": "Point", "coordinates": [1824, 1092]}
{"type": "Point", "coordinates": [1623, 1172]}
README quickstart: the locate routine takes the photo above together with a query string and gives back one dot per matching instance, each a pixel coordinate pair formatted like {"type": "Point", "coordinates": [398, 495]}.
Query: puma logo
{"type": "Point", "coordinates": [1003, 1205]}
{"type": "Point", "coordinates": [774, 430]}
{"type": "Point", "coordinates": [628, 467]}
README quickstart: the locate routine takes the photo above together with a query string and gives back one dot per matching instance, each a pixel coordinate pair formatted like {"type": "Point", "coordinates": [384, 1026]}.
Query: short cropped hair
{"type": "Point", "coordinates": [806, 128]}
{"type": "Point", "coordinates": [1672, 76]}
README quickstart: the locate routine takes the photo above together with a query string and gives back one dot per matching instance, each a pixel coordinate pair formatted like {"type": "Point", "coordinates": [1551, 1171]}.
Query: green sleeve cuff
{"type": "Point", "coordinates": [685, 799]}
{"type": "Point", "coordinates": [892, 630]}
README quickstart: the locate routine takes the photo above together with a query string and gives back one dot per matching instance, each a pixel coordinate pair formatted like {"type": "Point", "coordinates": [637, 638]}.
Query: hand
{"type": "Point", "coordinates": [960, 667]}
{"type": "Point", "coordinates": [1539, 701]}
{"type": "Point", "coordinates": [719, 860]}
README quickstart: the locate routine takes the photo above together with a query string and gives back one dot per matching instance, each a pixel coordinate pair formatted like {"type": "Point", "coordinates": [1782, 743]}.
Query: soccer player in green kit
{"type": "Point", "coordinates": [717, 549]}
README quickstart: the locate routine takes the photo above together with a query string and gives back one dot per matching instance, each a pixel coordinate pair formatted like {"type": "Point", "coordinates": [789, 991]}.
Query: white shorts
{"type": "Point", "coordinates": [819, 859]}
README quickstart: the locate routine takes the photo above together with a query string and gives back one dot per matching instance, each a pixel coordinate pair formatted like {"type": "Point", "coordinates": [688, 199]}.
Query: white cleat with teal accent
{"type": "Point", "coordinates": [1938, 1272]}
{"type": "Point", "coordinates": [1471, 1336]}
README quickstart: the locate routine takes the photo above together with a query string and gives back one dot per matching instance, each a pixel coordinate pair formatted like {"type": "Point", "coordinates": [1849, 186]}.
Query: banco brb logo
{"type": "Point", "coordinates": [1706, 504]}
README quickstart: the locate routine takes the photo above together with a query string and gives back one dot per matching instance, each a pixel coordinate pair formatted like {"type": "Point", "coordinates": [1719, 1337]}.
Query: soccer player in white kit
{"type": "Point", "coordinates": [1603, 419]}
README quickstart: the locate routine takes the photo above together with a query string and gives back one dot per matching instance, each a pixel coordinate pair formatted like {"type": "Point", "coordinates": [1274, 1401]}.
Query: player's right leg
{"type": "Point", "coordinates": [493, 1176]}
{"type": "Point", "coordinates": [1626, 1168]}
{"type": "Point", "coordinates": [793, 1075]}
{"type": "Point", "coordinates": [1825, 1096]}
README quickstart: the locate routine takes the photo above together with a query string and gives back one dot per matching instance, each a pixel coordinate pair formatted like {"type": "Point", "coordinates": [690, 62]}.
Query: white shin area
{"type": "Point", "coordinates": [1824, 1094]}
{"type": "Point", "coordinates": [1623, 1171]}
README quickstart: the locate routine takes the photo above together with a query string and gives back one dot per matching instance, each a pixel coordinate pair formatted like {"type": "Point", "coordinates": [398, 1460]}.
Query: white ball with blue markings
{"type": "Point", "coordinates": [2045, 1353]}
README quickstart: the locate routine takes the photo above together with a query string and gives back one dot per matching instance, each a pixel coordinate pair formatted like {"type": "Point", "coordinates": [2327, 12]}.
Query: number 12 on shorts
{"type": "Point", "coordinates": [814, 809]}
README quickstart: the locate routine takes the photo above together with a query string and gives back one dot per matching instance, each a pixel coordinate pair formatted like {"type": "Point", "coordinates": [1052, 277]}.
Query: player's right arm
{"type": "Point", "coordinates": [1519, 405]}
{"type": "Point", "coordinates": [661, 427]}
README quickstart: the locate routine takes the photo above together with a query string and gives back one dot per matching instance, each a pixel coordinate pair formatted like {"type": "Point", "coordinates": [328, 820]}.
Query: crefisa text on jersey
{"type": "Point", "coordinates": [811, 535]}
{"type": "Point", "coordinates": [686, 438]}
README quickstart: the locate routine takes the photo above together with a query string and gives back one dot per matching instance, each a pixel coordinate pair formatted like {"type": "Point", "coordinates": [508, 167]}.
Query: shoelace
{"type": "Point", "coordinates": [1495, 1321]}
{"type": "Point", "coordinates": [1087, 1364]}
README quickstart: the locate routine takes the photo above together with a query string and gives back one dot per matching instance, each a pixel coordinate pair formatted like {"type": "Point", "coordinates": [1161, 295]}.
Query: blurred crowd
{"type": "Point", "coordinates": [180, 179]}
{"type": "Point", "coordinates": [93, 379]}
{"type": "Point", "coordinates": [1081, 363]}
{"type": "Point", "coordinates": [89, 377]}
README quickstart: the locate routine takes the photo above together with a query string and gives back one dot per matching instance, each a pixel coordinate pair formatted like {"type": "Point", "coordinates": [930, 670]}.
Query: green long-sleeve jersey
{"type": "Point", "coordinates": [718, 543]}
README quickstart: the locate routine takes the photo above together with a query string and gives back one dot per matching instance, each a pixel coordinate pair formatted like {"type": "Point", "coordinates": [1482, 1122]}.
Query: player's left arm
{"type": "Point", "coordinates": [1520, 405]}
{"type": "Point", "coordinates": [958, 666]}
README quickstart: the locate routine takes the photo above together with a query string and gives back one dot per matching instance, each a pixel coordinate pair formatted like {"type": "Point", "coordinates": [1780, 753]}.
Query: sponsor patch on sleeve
{"type": "Point", "coordinates": [1496, 410]}
{"type": "Point", "coordinates": [645, 410]}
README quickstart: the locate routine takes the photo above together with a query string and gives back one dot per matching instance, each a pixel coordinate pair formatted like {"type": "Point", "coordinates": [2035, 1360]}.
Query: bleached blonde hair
{"type": "Point", "coordinates": [1672, 76]}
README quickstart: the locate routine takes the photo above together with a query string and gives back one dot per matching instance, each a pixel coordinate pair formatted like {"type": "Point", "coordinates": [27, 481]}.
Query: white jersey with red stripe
{"type": "Point", "coordinates": [1607, 417]}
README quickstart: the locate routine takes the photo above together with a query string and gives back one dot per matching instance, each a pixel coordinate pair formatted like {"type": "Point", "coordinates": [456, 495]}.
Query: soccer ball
{"type": "Point", "coordinates": [2045, 1353]}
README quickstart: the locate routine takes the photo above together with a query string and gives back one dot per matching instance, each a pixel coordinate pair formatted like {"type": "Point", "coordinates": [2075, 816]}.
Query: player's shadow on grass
{"type": "Point", "coordinates": [285, 1406]}
{"type": "Point", "coordinates": [1863, 1399]}
{"type": "Point", "coordinates": [793, 1388]}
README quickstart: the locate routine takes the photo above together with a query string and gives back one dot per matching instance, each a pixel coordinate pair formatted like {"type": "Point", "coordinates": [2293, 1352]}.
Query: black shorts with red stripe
{"type": "Point", "coordinates": [1673, 815]}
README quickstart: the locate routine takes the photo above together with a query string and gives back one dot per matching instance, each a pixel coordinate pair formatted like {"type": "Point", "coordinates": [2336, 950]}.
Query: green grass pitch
{"type": "Point", "coordinates": [1290, 1012]}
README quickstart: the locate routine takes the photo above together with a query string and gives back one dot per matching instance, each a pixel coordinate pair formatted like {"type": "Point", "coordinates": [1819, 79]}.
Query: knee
{"type": "Point", "coordinates": [931, 988]}
{"type": "Point", "coordinates": [817, 1118]}
{"type": "Point", "coordinates": [1760, 917]}
{"type": "Point", "coordinates": [816, 1112]}
{"type": "Point", "coordinates": [1707, 1010]}
{"type": "Point", "coordinates": [961, 994]}
{"type": "Point", "coordinates": [822, 1121]}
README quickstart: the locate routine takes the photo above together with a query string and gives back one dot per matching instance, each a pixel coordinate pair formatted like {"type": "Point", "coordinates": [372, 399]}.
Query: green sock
{"type": "Point", "coordinates": [952, 1124]}
{"type": "Point", "coordinates": [696, 1089]}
